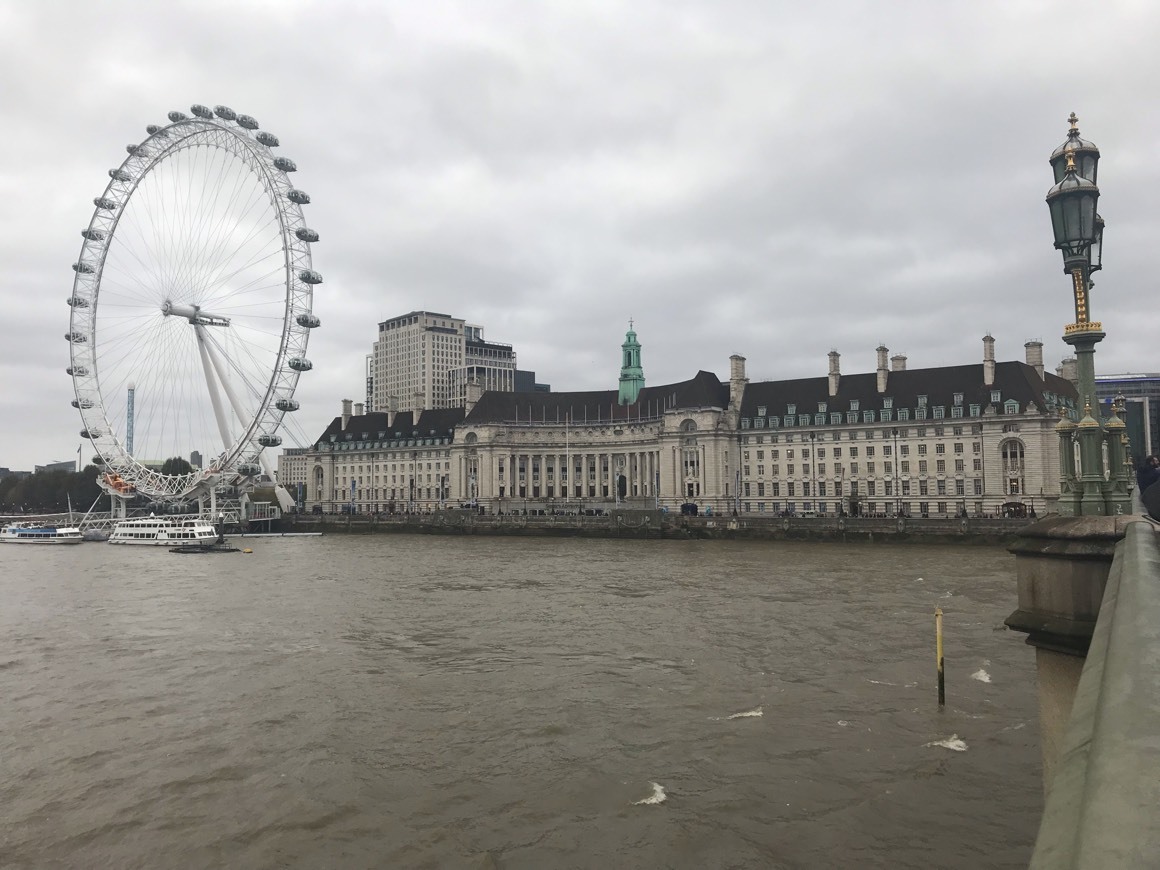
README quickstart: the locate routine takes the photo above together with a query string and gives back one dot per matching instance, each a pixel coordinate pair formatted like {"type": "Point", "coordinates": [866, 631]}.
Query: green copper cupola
{"type": "Point", "coordinates": [631, 374]}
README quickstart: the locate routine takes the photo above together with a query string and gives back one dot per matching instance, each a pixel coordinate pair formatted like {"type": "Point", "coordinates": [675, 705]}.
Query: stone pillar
{"type": "Point", "coordinates": [1061, 566]}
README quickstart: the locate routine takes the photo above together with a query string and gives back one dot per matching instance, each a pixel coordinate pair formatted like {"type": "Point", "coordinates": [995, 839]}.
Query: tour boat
{"type": "Point", "coordinates": [154, 531]}
{"type": "Point", "coordinates": [38, 533]}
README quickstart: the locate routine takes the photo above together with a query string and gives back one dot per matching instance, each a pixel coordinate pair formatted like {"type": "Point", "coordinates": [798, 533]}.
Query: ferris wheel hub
{"type": "Point", "coordinates": [195, 314]}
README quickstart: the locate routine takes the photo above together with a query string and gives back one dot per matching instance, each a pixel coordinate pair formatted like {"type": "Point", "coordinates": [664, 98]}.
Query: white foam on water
{"type": "Point", "coordinates": [747, 714]}
{"type": "Point", "coordinates": [981, 675]}
{"type": "Point", "coordinates": [953, 742]}
{"type": "Point", "coordinates": [657, 797]}
{"type": "Point", "coordinates": [843, 722]}
{"type": "Point", "coordinates": [882, 683]}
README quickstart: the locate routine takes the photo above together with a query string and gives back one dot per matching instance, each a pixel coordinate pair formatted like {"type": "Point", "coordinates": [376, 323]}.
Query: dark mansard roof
{"type": "Point", "coordinates": [438, 423]}
{"type": "Point", "coordinates": [1013, 380]}
{"type": "Point", "coordinates": [704, 390]}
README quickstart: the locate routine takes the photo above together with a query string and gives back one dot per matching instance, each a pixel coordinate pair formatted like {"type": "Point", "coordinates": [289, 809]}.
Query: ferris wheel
{"type": "Point", "coordinates": [192, 306]}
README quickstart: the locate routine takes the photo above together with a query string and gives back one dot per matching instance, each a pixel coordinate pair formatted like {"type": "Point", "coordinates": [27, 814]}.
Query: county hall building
{"type": "Point", "coordinates": [973, 439]}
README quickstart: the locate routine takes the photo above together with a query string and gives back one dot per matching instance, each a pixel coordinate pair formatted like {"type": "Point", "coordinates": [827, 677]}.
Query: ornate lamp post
{"type": "Point", "coordinates": [1079, 232]}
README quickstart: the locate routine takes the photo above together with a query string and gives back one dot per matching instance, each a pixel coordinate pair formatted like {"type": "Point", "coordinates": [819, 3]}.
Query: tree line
{"type": "Point", "coordinates": [47, 492]}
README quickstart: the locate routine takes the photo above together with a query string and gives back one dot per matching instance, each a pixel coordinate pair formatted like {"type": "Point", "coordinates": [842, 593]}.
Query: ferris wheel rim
{"type": "Point", "coordinates": [239, 136]}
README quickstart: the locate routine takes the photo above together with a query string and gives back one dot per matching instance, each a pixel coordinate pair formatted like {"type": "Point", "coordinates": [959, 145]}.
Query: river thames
{"type": "Point", "coordinates": [446, 702]}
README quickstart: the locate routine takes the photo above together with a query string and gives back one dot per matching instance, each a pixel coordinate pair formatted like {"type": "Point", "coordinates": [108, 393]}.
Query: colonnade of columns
{"type": "Point", "coordinates": [561, 474]}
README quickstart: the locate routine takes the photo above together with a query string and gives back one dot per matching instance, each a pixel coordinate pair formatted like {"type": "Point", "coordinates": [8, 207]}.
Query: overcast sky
{"type": "Point", "coordinates": [771, 179]}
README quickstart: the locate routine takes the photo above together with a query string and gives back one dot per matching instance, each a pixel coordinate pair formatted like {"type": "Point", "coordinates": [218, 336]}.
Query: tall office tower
{"type": "Point", "coordinates": [488, 363]}
{"type": "Point", "coordinates": [423, 360]}
{"type": "Point", "coordinates": [412, 361]}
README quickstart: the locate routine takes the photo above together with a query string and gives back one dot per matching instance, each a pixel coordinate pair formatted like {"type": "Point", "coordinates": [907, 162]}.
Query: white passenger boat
{"type": "Point", "coordinates": [163, 531]}
{"type": "Point", "coordinates": [39, 533]}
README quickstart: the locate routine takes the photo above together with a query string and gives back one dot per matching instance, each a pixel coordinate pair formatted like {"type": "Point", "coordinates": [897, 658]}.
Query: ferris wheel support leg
{"type": "Point", "coordinates": [216, 360]}
{"type": "Point", "coordinates": [214, 396]}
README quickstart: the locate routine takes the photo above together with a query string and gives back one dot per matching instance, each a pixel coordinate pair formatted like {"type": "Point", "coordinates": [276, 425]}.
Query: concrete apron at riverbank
{"type": "Point", "coordinates": [655, 524]}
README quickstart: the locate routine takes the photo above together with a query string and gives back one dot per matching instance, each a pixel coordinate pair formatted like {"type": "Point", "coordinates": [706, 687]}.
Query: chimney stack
{"type": "Point", "coordinates": [835, 373]}
{"type": "Point", "coordinates": [883, 372]}
{"type": "Point", "coordinates": [474, 394]}
{"type": "Point", "coordinates": [737, 381]}
{"type": "Point", "coordinates": [392, 409]}
{"type": "Point", "coordinates": [988, 360]}
{"type": "Point", "coordinates": [358, 409]}
{"type": "Point", "coordinates": [1069, 370]}
{"type": "Point", "coordinates": [345, 413]}
{"type": "Point", "coordinates": [898, 362]}
{"type": "Point", "coordinates": [1035, 356]}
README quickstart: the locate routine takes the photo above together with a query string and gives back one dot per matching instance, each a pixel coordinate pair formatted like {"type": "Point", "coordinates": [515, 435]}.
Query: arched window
{"type": "Point", "coordinates": [1012, 452]}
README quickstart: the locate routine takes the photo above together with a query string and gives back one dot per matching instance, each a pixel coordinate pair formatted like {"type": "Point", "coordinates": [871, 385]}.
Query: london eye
{"type": "Point", "coordinates": [192, 307]}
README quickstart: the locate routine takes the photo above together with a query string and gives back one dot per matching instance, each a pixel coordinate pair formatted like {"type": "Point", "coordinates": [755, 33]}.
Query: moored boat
{"type": "Point", "coordinates": [40, 533]}
{"type": "Point", "coordinates": [163, 531]}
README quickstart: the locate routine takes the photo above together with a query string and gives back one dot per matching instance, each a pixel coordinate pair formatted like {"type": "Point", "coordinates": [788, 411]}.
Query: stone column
{"type": "Point", "coordinates": [1061, 566]}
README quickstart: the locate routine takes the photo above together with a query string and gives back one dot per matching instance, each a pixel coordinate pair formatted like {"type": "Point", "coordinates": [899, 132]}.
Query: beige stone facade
{"type": "Point", "coordinates": [976, 439]}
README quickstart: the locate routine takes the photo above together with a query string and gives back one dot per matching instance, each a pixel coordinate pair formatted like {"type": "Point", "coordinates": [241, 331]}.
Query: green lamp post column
{"type": "Point", "coordinates": [1091, 465]}
{"type": "Point", "coordinates": [1069, 494]}
{"type": "Point", "coordinates": [1116, 495]}
{"type": "Point", "coordinates": [1078, 233]}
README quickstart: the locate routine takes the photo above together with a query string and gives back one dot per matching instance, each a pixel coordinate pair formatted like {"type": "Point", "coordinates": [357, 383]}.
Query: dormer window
{"type": "Point", "coordinates": [922, 401]}
{"type": "Point", "coordinates": [761, 410]}
{"type": "Point", "coordinates": [887, 402]}
{"type": "Point", "coordinates": [853, 404]}
{"type": "Point", "coordinates": [821, 407]}
{"type": "Point", "coordinates": [958, 398]}
{"type": "Point", "coordinates": [996, 397]}
{"type": "Point", "coordinates": [791, 410]}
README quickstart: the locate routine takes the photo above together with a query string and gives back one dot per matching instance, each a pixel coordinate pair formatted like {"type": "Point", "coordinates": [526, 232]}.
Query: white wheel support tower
{"type": "Point", "coordinates": [192, 308]}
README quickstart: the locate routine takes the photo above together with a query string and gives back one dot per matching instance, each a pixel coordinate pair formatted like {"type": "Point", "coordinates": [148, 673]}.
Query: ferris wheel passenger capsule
{"type": "Point", "coordinates": [120, 175]}
{"type": "Point", "coordinates": [300, 364]}
{"type": "Point", "coordinates": [76, 371]}
{"type": "Point", "coordinates": [287, 405]}
{"type": "Point", "coordinates": [83, 268]}
{"type": "Point", "coordinates": [309, 276]}
{"type": "Point", "coordinates": [154, 130]}
{"type": "Point", "coordinates": [306, 234]}
{"type": "Point", "coordinates": [249, 469]}
{"type": "Point", "coordinates": [178, 116]}
{"type": "Point", "coordinates": [90, 433]}
{"type": "Point", "coordinates": [285, 164]}
{"type": "Point", "coordinates": [77, 302]}
{"type": "Point", "coordinates": [105, 204]}
{"type": "Point", "coordinates": [82, 403]}
{"type": "Point", "coordinates": [93, 235]}
{"type": "Point", "coordinates": [310, 321]}
{"type": "Point", "coordinates": [201, 111]}
{"type": "Point", "coordinates": [298, 196]}
{"type": "Point", "coordinates": [248, 122]}
{"type": "Point", "coordinates": [270, 440]}
{"type": "Point", "coordinates": [267, 139]}
{"type": "Point", "coordinates": [76, 337]}
{"type": "Point", "coordinates": [225, 113]}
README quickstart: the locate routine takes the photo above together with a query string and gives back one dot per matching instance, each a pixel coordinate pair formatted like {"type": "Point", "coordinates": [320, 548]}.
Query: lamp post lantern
{"type": "Point", "coordinates": [1079, 236]}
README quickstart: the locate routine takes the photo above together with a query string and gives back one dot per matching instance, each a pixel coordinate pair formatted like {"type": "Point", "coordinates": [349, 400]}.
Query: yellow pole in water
{"type": "Point", "coordinates": [942, 697]}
